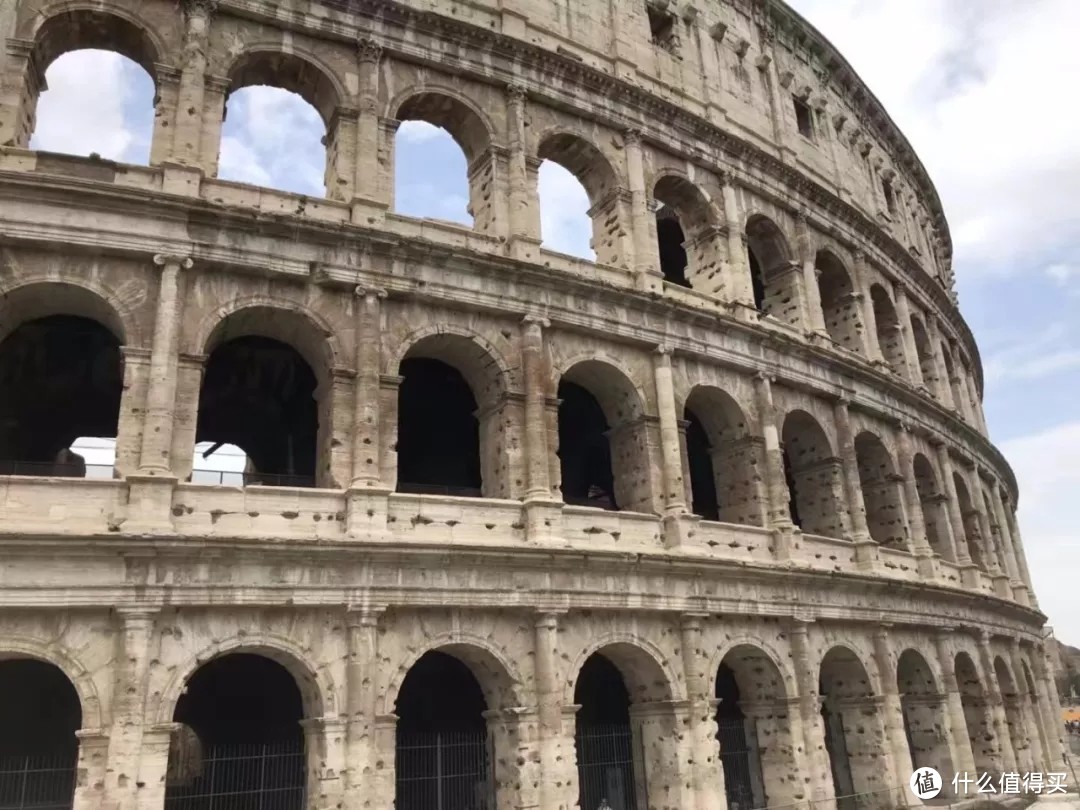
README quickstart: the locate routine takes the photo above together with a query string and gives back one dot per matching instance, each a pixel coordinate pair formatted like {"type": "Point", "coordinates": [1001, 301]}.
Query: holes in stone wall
{"type": "Point", "coordinates": [890, 336]}
{"type": "Point", "coordinates": [881, 492]}
{"type": "Point", "coordinates": [814, 476]}
{"type": "Point", "coordinates": [772, 271]}
{"type": "Point", "coordinates": [839, 304]}
{"type": "Point", "coordinates": [923, 713]}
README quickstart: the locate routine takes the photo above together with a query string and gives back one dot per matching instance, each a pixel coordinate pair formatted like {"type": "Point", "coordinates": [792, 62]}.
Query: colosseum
{"type": "Point", "coordinates": [712, 521]}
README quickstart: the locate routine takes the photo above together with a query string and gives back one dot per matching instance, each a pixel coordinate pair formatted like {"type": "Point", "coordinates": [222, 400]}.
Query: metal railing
{"type": "Point", "coordinates": [438, 489]}
{"type": "Point", "coordinates": [53, 469]}
{"type": "Point", "coordinates": [249, 479]}
{"type": "Point", "coordinates": [268, 776]}
{"type": "Point", "coordinates": [605, 757]}
{"type": "Point", "coordinates": [899, 798]}
{"type": "Point", "coordinates": [43, 781]}
{"type": "Point", "coordinates": [444, 770]}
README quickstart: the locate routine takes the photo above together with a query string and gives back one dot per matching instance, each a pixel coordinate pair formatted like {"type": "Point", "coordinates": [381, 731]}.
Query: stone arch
{"type": "Point", "coordinates": [484, 366]}
{"type": "Point", "coordinates": [597, 175]}
{"type": "Point", "coordinates": [295, 70]}
{"type": "Point", "coordinates": [772, 269]}
{"type": "Point", "coordinates": [977, 717]}
{"type": "Point", "coordinates": [63, 27]}
{"type": "Point", "coordinates": [923, 709]}
{"type": "Point", "coordinates": [317, 689]}
{"type": "Point", "coordinates": [441, 106]}
{"type": "Point", "coordinates": [497, 673]}
{"type": "Point", "coordinates": [849, 672]}
{"type": "Point", "coordinates": [813, 472]}
{"type": "Point", "coordinates": [932, 502]}
{"type": "Point", "coordinates": [29, 299]}
{"type": "Point", "coordinates": [1016, 728]}
{"type": "Point", "coordinates": [972, 531]}
{"type": "Point", "coordinates": [94, 715]}
{"type": "Point", "coordinates": [648, 674]}
{"type": "Point", "coordinates": [839, 303]}
{"type": "Point", "coordinates": [761, 648]}
{"type": "Point", "coordinates": [882, 492]}
{"type": "Point", "coordinates": [890, 336]}
{"type": "Point", "coordinates": [686, 222]}
{"type": "Point", "coordinates": [723, 458]}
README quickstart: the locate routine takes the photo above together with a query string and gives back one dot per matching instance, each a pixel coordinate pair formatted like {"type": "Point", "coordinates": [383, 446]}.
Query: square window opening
{"type": "Point", "coordinates": [662, 27]}
{"type": "Point", "coordinates": [804, 118]}
{"type": "Point", "coordinates": [890, 197]}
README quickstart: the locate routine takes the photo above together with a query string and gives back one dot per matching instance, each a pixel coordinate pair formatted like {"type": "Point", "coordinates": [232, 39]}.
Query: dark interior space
{"type": "Point", "coordinates": [61, 377]}
{"type": "Point", "coordinates": [757, 282]}
{"type": "Point", "coordinates": [789, 480]}
{"type": "Point", "coordinates": [240, 744]}
{"type": "Point", "coordinates": [702, 477]}
{"type": "Point", "coordinates": [259, 394]}
{"type": "Point", "coordinates": [438, 434]}
{"type": "Point", "coordinates": [731, 733]}
{"type": "Point", "coordinates": [443, 749]}
{"type": "Point", "coordinates": [604, 737]}
{"type": "Point", "coordinates": [584, 450]}
{"type": "Point", "coordinates": [670, 237]}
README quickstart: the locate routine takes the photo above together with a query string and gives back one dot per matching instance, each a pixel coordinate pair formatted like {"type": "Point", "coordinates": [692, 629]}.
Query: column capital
{"type": "Point", "coordinates": [548, 619]}
{"type": "Point", "coordinates": [632, 136]}
{"type": "Point", "coordinates": [536, 320]}
{"type": "Point", "coordinates": [368, 51]}
{"type": "Point", "coordinates": [663, 351]}
{"type": "Point", "coordinates": [363, 615]}
{"type": "Point", "coordinates": [361, 291]}
{"type": "Point", "coordinates": [173, 260]}
{"type": "Point", "coordinates": [516, 93]}
{"type": "Point", "coordinates": [206, 8]}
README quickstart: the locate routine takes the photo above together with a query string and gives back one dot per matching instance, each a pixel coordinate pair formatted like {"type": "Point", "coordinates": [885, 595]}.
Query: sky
{"type": "Point", "coordinates": [981, 88]}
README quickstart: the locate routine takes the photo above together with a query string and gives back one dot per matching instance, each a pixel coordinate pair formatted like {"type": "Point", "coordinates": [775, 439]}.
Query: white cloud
{"type": "Point", "coordinates": [239, 162]}
{"type": "Point", "coordinates": [419, 132]}
{"type": "Point", "coordinates": [564, 220]}
{"type": "Point", "coordinates": [1047, 465]}
{"type": "Point", "coordinates": [979, 88]}
{"type": "Point", "coordinates": [1031, 355]}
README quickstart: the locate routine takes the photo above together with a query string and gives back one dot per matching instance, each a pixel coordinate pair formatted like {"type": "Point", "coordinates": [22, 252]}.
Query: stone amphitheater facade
{"type": "Point", "coordinates": [769, 560]}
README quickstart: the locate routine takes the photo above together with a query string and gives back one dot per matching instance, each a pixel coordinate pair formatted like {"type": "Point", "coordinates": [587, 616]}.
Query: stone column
{"type": "Point", "coordinates": [738, 284]}
{"type": "Point", "coordinates": [996, 704]}
{"type": "Point", "coordinates": [866, 551]}
{"type": "Point", "coordinates": [20, 84]}
{"type": "Point", "coordinates": [129, 429]}
{"type": "Point", "coordinates": [646, 256]}
{"type": "Point", "coordinates": [341, 153]}
{"type": "Point", "coordinates": [125, 767]}
{"type": "Point", "coordinates": [674, 490]}
{"type": "Point", "coordinates": [778, 512]}
{"type": "Point", "coordinates": [1021, 557]}
{"type": "Point", "coordinates": [913, 505]}
{"type": "Point", "coordinates": [814, 317]}
{"type": "Point", "coordinates": [91, 769]}
{"type": "Point", "coordinates": [154, 456]}
{"type": "Point", "coordinates": [948, 486]}
{"type": "Point", "coordinates": [524, 203]}
{"type": "Point", "coordinates": [189, 374]}
{"type": "Point", "coordinates": [1050, 708]}
{"type": "Point", "coordinates": [862, 292]}
{"type": "Point", "coordinates": [705, 773]}
{"type": "Point", "coordinates": [187, 131]}
{"type": "Point", "coordinates": [1019, 587]}
{"type": "Point", "coordinates": [537, 373]}
{"type": "Point", "coordinates": [911, 354]}
{"type": "Point", "coordinates": [892, 711]}
{"type": "Point", "coordinates": [819, 774]}
{"type": "Point", "coordinates": [215, 93]}
{"type": "Point", "coordinates": [324, 749]}
{"type": "Point", "coordinates": [955, 725]}
{"type": "Point", "coordinates": [156, 740]}
{"type": "Point", "coordinates": [977, 417]}
{"type": "Point", "coordinates": [361, 695]}
{"type": "Point", "coordinates": [365, 438]}
{"type": "Point", "coordinates": [1032, 723]}
{"type": "Point", "coordinates": [367, 186]}
{"type": "Point", "coordinates": [944, 392]}
{"type": "Point", "coordinates": [558, 764]}
{"type": "Point", "coordinates": [992, 543]}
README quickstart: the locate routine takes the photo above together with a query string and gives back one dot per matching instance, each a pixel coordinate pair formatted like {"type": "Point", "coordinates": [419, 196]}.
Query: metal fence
{"type": "Point", "coordinates": [248, 479]}
{"type": "Point", "coordinates": [43, 781]}
{"type": "Point", "coordinates": [605, 757]}
{"type": "Point", "coordinates": [742, 772]}
{"type": "Point", "coordinates": [267, 776]}
{"type": "Point", "coordinates": [444, 770]}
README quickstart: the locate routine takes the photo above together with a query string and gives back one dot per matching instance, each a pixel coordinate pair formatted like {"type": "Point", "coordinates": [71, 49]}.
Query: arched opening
{"type": "Point", "coordinates": [839, 304]}
{"type": "Point", "coordinates": [889, 335]}
{"type": "Point", "coordinates": [39, 752]}
{"type": "Point", "coordinates": [932, 502]}
{"type": "Point", "coordinates": [80, 59]}
{"type": "Point", "coordinates": [565, 223]}
{"type": "Point", "coordinates": [723, 459]}
{"type": "Point", "coordinates": [443, 167]}
{"type": "Point", "coordinates": [754, 731]}
{"type": "Point", "coordinates": [280, 126]}
{"type": "Point", "coordinates": [443, 751]}
{"type": "Point", "coordinates": [591, 169]}
{"type": "Point", "coordinates": [980, 726]}
{"type": "Point", "coordinates": [617, 723]}
{"type": "Point", "coordinates": [61, 378]}
{"type": "Point", "coordinates": [951, 383]}
{"type": "Point", "coordinates": [972, 532]}
{"type": "Point", "coordinates": [923, 708]}
{"type": "Point", "coordinates": [688, 255]}
{"type": "Point", "coordinates": [995, 543]}
{"type": "Point", "coordinates": [603, 445]}
{"type": "Point", "coordinates": [264, 391]}
{"type": "Point", "coordinates": [925, 353]}
{"type": "Point", "coordinates": [1040, 742]}
{"type": "Point", "coordinates": [239, 742]}
{"type": "Point", "coordinates": [219, 463]}
{"type": "Point", "coordinates": [882, 493]}
{"type": "Point", "coordinates": [1016, 728]}
{"type": "Point", "coordinates": [772, 272]}
{"type": "Point", "coordinates": [848, 710]}
{"type": "Point", "coordinates": [816, 486]}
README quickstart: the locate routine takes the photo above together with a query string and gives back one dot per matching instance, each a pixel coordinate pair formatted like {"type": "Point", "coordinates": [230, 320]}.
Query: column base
{"type": "Point", "coordinates": [523, 248]}
{"type": "Point", "coordinates": [867, 554]}
{"type": "Point", "coordinates": [149, 504]}
{"type": "Point", "coordinates": [649, 282]}
{"type": "Point", "coordinates": [786, 539]}
{"type": "Point", "coordinates": [366, 510]}
{"type": "Point", "coordinates": [926, 565]}
{"type": "Point", "coordinates": [678, 530]}
{"type": "Point", "coordinates": [1002, 588]}
{"type": "Point", "coordinates": [543, 521]}
{"type": "Point", "coordinates": [367, 212]}
{"type": "Point", "coordinates": [969, 575]}
{"type": "Point", "coordinates": [180, 179]}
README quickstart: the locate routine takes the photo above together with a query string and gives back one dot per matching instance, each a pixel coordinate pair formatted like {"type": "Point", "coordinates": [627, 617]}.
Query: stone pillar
{"type": "Point", "coordinates": [1046, 690]}
{"type": "Point", "coordinates": [1019, 587]}
{"type": "Point", "coordinates": [892, 712]}
{"type": "Point", "coordinates": [944, 391]}
{"type": "Point", "coordinates": [129, 428]}
{"type": "Point", "coordinates": [977, 417]}
{"type": "Point", "coordinates": [515, 770]}
{"type": "Point", "coordinates": [215, 94]}
{"type": "Point", "coordinates": [911, 354]}
{"type": "Point", "coordinates": [955, 725]}
{"type": "Point", "coordinates": [367, 186]}
{"type": "Point", "coordinates": [819, 774]}
{"type": "Point", "coordinates": [738, 284]}
{"type": "Point", "coordinates": [996, 705]}
{"type": "Point", "coordinates": [188, 128]}
{"type": "Point", "coordinates": [558, 764]}
{"type": "Point", "coordinates": [365, 429]}
{"type": "Point", "coordinates": [778, 512]}
{"type": "Point", "coordinates": [705, 774]}
{"type": "Point", "coordinates": [871, 348]}
{"type": "Point", "coordinates": [91, 770]}
{"type": "Point", "coordinates": [154, 757]}
{"type": "Point", "coordinates": [125, 768]}
{"type": "Point", "coordinates": [1031, 721]}
{"type": "Point", "coordinates": [382, 787]}
{"type": "Point", "coordinates": [814, 317]}
{"type": "Point", "coordinates": [361, 707]}
{"type": "Point", "coordinates": [674, 489]}
{"type": "Point", "coordinates": [20, 85]}
{"type": "Point", "coordinates": [537, 373]}
{"type": "Point", "coordinates": [866, 551]}
{"type": "Point", "coordinates": [154, 457]}
{"type": "Point", "coordinates": [189, 374]}
{"type": "Point", "coordinates": [524, 203]}
{"type": "Point", "coordinates": [987, 527]}
{"type": "Point", "coordinates": [913, 505]}
{"type": "Point", "coordinates": [1021, 557]}
{"type": "Point", "coordinates": [324, 747]}
{"type": "Point", "coordinates": [646, 256]}
{"type": "Point", "coordinates": [956, 519]}
{"type": "Point", "coordinates": [165, 112]}
{"type": "Point", "coordinates": [341, 153]}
